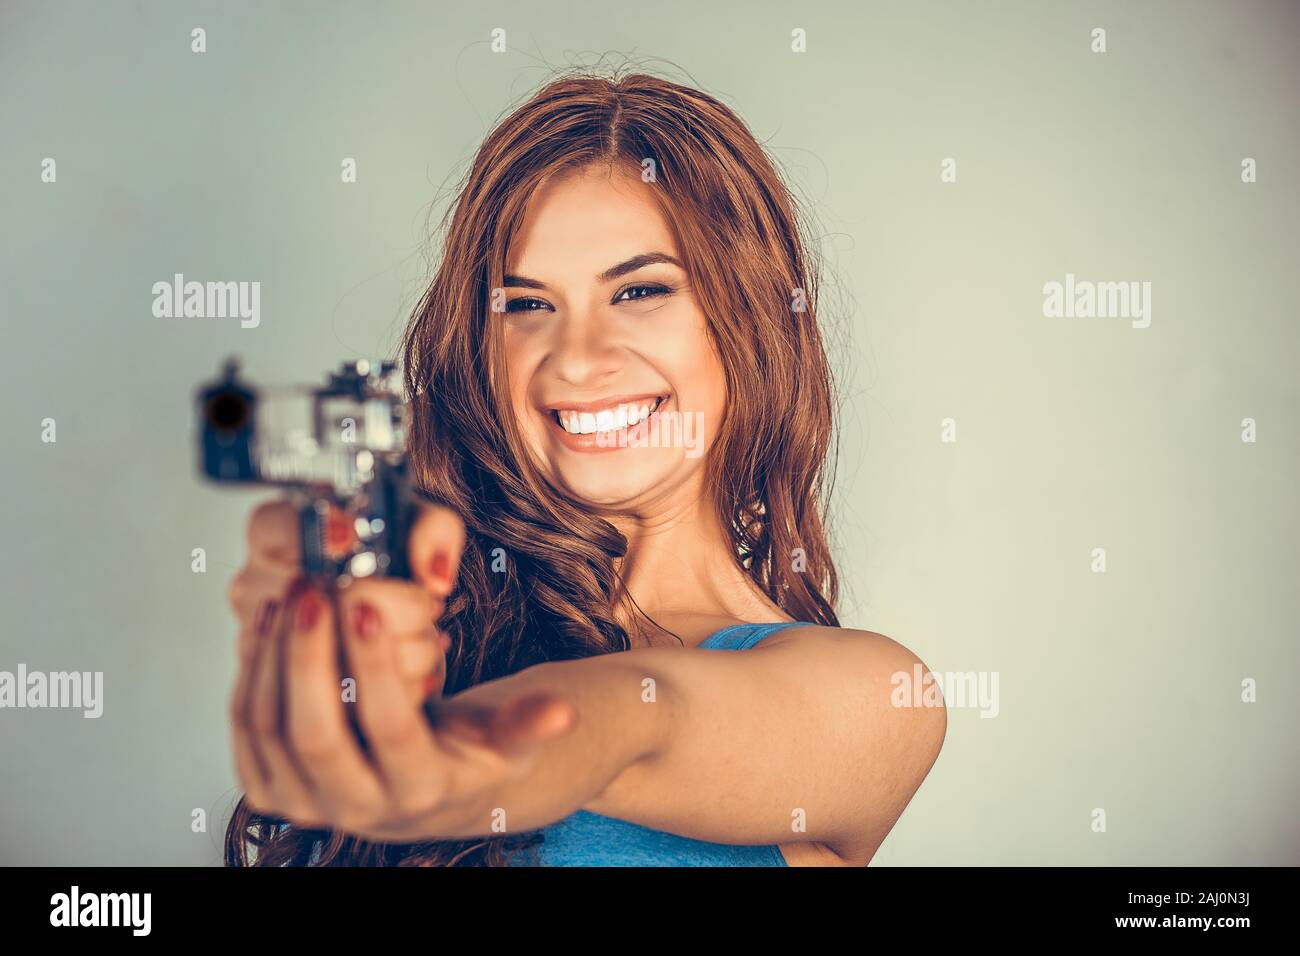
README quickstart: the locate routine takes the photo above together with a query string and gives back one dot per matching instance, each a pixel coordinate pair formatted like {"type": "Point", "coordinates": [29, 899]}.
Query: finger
{"type": "Point", "coordinates": [274, 532]}
{"type": "Point", "coordinates": [408, 608]}
{"type": "Point", "coordinates": [272, 565]}
{"type": "Point", "coordinates": [248, 765]}
{"type": "Point", "coordinates": [401, 743]}
{"type": "Point", "coordinates": [253, 772]}
{"type": "Point", "coordinates": [421, 662]}
{"type": "Point", "coordinates": [435, 544]}
{"type": "Point", "coordinates": [257, 628]}
{"type": "Point", "coordinates": [409, 612]}
{"type": "Point", "coordinates": [318, 738]}
{"type": "Point", "coordinates": [287, 791]}
{"type": "Point", "coordinates": [257, 582]}
{"type": "Point", "coordinates": [420, 653]}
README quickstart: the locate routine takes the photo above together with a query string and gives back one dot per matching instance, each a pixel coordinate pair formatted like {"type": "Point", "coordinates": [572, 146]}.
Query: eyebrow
{"type": "Point", "coordinates": [609, 275]}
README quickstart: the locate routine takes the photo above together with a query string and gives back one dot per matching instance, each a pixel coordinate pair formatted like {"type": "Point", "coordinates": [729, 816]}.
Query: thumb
{"type": "Point", "coordinates": [512, 727]}
{"type": "Point", "coordinates": [531, 720]}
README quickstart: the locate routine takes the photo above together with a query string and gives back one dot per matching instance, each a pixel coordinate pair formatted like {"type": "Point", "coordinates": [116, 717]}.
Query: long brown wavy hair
{"type": "Point", "coordinates": [746, 251]}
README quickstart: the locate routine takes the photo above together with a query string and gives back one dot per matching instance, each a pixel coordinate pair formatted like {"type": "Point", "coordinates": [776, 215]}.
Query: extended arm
{"type": "Point", "coordinates": [797, 739]}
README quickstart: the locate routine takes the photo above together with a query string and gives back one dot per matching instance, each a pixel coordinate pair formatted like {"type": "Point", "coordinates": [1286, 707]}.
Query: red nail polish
{"type": "Point", "coordinates": [308, 610]}
{"type": "Point", "coordinates": [440, 567]}
{"type": "Point", "coordinates": [339, 532]}
{"type": "Point", "coordinates": [365, 622]}
{"type": "Point", "coordinates": [430, 683]}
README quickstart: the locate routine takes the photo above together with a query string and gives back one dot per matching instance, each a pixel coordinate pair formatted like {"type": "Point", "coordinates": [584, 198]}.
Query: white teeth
{"type": "Point", "coordinates": [605, 420]}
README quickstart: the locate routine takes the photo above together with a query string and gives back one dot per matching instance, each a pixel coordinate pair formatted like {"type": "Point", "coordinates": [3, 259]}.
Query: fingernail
{"type": "Point", "coordinates": [430, 683]}
{"type": "Point", "coordinates": [440, 567]}
{"type": "Point", "coordinates": [339, 532]}
{"type": "Point", "coordinates": [365, 622]}
{"type": "Point", "coordinates": [308, 610]}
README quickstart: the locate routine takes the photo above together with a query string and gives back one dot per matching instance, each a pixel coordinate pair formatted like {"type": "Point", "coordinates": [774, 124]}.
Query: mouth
{"type": "Point", "coordinates": [602, 426]}
{"type": "Point", "coordinates": [610, 418]}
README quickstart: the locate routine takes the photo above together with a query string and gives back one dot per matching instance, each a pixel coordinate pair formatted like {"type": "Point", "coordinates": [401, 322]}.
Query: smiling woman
{"type": "Point", "coordinates": [597, 337]}
{"type": "Point", "coordinates": [621, 254]}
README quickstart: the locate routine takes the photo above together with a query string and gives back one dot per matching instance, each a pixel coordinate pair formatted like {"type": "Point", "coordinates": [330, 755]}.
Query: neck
{"type": "Point", "coordinates": [680, 568]}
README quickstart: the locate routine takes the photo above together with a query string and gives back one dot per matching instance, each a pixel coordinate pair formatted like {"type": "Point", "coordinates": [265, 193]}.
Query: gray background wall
{"type": "Point", "coordinates": [1119, 690]}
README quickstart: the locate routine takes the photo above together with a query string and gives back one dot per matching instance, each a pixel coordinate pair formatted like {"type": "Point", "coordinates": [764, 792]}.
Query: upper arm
{"type": "Point", "coordinates": [797, 739]}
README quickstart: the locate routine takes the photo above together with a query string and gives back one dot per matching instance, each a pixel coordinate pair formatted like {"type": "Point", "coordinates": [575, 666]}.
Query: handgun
{"type": "Point", "coordinates": [338, 449]}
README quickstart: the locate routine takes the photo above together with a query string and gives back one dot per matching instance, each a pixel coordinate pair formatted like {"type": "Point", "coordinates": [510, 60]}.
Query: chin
{"type": "Point", "coordinates": [623, 480]}
{"type": "Point", "coordinates": [610, 490]}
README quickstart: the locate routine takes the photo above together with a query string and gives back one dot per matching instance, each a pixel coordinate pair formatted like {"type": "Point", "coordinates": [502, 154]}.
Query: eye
{"type": "Point", "coordinates": [526, 305]}
{"type": "Point", "coordinates": [634, 293]}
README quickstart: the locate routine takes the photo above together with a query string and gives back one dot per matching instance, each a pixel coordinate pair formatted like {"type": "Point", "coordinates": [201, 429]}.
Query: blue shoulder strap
{"type": "Point", "coordinates": [740, 637]}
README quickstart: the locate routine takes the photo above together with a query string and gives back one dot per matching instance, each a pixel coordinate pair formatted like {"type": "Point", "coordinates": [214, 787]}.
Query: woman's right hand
{"type": "Point", "coordinates": [258, 593]}
{"type": "Point", "coordinates": [423, 767]}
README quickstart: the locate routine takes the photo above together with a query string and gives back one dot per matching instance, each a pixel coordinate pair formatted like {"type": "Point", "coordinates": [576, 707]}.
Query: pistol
{"type": "Point", "coordinates": [337, 448]}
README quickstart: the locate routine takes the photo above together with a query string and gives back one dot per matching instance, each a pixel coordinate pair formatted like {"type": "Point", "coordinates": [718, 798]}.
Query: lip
{"type": "Point", "coordinates": [612, 401]}
{"type": "Point", "coordinates": [617, 440]}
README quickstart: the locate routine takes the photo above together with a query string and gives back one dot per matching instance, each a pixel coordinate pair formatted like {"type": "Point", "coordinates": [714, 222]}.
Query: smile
{"type": "Point", "coordinates": [604, 426]}
{"type": "Point", "coordinates": [609, 419]}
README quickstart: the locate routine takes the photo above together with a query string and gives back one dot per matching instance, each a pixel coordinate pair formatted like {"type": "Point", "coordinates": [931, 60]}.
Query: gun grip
{"type": "Point", "coordinates": [313, 524]}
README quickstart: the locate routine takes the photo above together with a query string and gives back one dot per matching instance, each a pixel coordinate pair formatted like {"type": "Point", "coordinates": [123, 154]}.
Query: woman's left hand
{"type": "Point", "coordinates": [428, 769]}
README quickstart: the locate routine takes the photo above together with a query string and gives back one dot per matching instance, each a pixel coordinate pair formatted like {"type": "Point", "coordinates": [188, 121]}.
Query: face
{"type": "Point", "coordinates": [613, 377]}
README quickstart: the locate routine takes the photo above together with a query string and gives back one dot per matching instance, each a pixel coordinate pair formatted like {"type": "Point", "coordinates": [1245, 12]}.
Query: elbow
{"type": "Point", "coordinates": [909, 701]}
{"type": "Point", "coordinates": [930, 723]}
{"type": "Point", "coordinates": [918, 714]}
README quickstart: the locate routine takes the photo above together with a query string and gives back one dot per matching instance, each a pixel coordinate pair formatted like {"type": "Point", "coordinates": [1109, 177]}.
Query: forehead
{"type": "Point", "coordinates": [581, 222]}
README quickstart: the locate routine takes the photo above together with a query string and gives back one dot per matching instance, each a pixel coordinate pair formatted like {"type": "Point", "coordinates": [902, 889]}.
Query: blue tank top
{"type": "Point", "coordinates": [589, 839]}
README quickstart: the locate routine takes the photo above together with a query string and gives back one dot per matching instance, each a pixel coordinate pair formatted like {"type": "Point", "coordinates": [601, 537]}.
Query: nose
{"type": "Point", "coordinates": [584, 353]}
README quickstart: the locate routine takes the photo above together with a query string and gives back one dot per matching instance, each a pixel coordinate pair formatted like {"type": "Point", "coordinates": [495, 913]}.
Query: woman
{"type": "Point", "coordinates": [621, 400]}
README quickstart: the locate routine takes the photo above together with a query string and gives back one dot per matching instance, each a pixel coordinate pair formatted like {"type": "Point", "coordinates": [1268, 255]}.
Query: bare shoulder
{"type": "Point", "coordinates": [849, 639]}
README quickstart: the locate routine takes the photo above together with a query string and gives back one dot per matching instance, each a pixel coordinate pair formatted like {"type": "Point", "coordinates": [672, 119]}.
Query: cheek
{"type": "Point", "coordinates": [695, 371]}
{"type": "Point", "coordinates": [520, 363]}
{"type": "Point", "coordinates": [715, 387]}
{"type": "Point", "coordinates": [701, 377]}
{"type": "Point", "coordinates": [713, 399]}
